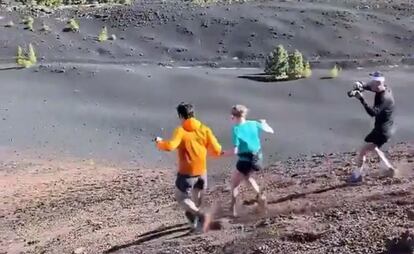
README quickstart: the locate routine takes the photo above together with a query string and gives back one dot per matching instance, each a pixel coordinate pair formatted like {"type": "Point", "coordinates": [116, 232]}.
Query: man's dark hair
{"type": "Point", "coordinates": [185, 110]}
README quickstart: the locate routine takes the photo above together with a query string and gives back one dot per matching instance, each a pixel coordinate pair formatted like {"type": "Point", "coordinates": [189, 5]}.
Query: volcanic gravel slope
{"type": "Point", "coordinates": [63, 206]}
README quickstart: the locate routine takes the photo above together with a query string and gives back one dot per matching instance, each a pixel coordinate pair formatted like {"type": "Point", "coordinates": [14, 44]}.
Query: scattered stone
{"type": "Point", "coordinates": [60, 70]}
{"type": "Point", "coordinates": [79, 250]}
{"type": "Point", "coordinates": [113, 37]}
{"type": "Point", "coordinates": [9, 24]}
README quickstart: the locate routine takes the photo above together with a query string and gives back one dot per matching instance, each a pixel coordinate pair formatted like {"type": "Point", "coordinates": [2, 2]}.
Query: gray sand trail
{"type": "Point", "coordinates": [111, 111]}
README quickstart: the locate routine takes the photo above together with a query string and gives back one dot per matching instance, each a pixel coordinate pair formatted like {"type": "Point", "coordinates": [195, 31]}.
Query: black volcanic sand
{"type": "Point", "coordinates": [113, 111]}
{"type": "Point", "coordinates": [352, 32]}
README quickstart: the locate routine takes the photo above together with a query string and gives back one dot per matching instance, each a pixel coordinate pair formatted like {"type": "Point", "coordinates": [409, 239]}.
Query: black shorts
{"type": "Point", "coordinates": [186, 183]}
{"type": "Point", "coordinates": [248, 163]}
{"type": "Point", "coordinates": [377, 137]}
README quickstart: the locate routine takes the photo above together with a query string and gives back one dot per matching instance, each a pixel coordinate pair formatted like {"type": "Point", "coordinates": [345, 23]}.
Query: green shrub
{"type": "Point", "coordinates": [19, 57]}
{"type": "Point", "coordinates": [28, 21]}
{"type": "Point", "coordinates": [73, 26]}
{"type": "Point", "coordinates": [32, 54]}
{"type": "Point", "coordinates": [334, 72]}
{"type": "Point", "coordinates": [307, 71]}
{"type": "Point", "coordinates": [295, 69]}
{"type": "Point", "coordinates": [277, 63]}
{"type": "Point", "coordinates": [24, 60]}
{"type": "Point", "coordinates": [103, 35]}
{"type": "Point", "coordinates": [282, 65]}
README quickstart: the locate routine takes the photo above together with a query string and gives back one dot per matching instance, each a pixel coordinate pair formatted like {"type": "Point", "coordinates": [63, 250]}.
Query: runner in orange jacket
{"type": "Point", "coordinates": [194, 141]}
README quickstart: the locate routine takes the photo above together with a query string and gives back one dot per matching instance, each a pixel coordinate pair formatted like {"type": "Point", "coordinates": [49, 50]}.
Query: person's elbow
{"type": "Point", "coordinates": [165, 146]}
{"type": "Point", "coordinates": [373, 113]}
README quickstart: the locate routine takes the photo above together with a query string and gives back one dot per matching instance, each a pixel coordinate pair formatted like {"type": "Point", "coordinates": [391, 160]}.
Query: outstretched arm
{"type": "Point", "coordinates": [266, 127]}
{"type": "Point", "coordinates": [213, 145]}
{"type": "Point", "coordinates": [236, 143]}
{"type": "Point", "coordinates": [173, 143]}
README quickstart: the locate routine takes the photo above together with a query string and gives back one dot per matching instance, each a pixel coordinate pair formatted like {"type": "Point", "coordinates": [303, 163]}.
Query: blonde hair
{"type": "Point", "coordinates": [239, 111]}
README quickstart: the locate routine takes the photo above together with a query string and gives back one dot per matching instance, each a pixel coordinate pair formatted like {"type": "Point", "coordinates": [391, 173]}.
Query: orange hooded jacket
{"type": "Point", "coordinates": [193, 140]}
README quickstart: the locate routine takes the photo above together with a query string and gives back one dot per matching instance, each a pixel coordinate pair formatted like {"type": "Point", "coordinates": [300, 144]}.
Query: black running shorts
{"type": "Point", "coordinates": [249, 162]}
{"type": "Point", "coordinates": [186, 183]}
{"type": "Point", "coordinates": [377, 137]}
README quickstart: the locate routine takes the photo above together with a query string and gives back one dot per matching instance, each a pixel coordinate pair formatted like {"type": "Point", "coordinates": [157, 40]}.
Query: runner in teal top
{"type": "Point", "coordinates": [246, 137]}
{"type": "Point", "coordinates": [246, 141]}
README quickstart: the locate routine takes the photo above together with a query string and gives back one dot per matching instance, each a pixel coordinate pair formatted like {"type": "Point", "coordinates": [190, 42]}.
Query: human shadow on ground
{"type": "Point", "coordinates": [266, 78]}
{"type": "Point", "coordinates": [183, 227]}
{"type": "Point", "coordinates": [153, 235]}
{"type": "Point", "coordinates": [299, 195]}
{"type": "Point", "coordinates": [262, 77]}
{"type": "Point", "coordinates": [11, 68]}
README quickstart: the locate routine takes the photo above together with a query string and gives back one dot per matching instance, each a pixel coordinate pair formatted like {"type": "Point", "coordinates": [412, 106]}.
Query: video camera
{"type": "Point", "coordinates": [358, 88]}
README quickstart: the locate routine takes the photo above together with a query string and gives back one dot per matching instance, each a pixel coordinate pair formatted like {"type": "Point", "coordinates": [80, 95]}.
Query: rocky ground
{"type": "Point", "coordinates": [62, 206]}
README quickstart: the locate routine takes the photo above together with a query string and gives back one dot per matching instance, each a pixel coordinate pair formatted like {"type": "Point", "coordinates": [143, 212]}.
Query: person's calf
{"type": "Point", "coordinates": [253, 184]}
{"type": "Point", "coordinates": [261, 203]}
{"type": "Point", "coordinates": [361, 160]}
{"type": "Point", "coordinates": [391, 170]}
{"type": "Point", "coordinates": [233, 206]}
{"type": "Point", "coordinates": [358, 173]}
{"type": "Point", "coordinates": [383, 158]}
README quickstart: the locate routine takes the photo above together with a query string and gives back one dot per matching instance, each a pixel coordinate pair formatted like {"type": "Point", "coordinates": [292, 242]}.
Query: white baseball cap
{"type": "Point", "coordinates": [377, 76]}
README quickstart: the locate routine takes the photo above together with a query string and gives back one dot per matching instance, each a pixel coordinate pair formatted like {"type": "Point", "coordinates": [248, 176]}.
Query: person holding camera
{"type": "Point", "coordinates": [193, 140]}
{"type": "Point", "coordinates": [383, 111]}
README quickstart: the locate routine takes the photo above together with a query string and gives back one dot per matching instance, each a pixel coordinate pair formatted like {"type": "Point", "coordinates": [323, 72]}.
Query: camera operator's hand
{"type": "Point", "coordinates": [359, 86]}
{"type": "Point", "coordinates": [359, 95]}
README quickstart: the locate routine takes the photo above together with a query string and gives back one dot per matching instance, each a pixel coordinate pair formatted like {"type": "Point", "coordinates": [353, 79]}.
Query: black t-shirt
{"type": "Point", "coordinates": [382, 110]}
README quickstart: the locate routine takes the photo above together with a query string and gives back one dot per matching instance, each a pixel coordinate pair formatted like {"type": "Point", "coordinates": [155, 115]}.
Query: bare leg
{"type": "Point", "coordinates": [366, 148]}
{"type": "Point", "coordinates": [391, 169]}
{"type": "Point", "coordinates": [261, 199]}
{"type": "Point", "coordinates": [254, 184]}
{"type": "Point", "coordinates": [185, 201]}
{"type": "Point", "coordinates": [236, 179]}
{"type": "Point", "coordinates": [383, 158]}
{"type": "Point", "coordinates": [197, 196]}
